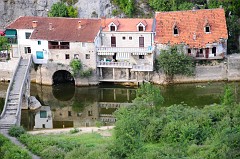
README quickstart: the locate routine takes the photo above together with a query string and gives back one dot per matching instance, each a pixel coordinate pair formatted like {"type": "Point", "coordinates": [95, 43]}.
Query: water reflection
{"type": "Point", "coordinates": [84, 106]}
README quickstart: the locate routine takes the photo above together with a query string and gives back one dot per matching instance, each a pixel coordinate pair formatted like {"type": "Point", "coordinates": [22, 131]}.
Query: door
{"type": "Point", "coordinates": [207, 52]}
{"type": "Point", "coordinates": [113, 41]}
{"type": "Point", "coordinates": [141, 41]}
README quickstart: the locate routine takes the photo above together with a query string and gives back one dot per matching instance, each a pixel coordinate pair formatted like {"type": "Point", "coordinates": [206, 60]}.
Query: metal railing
{"type": "Point", "coordinates": [112, 105]}
{"type": "Point", "coordinates": [126, 49]}
{"type": "Point", "coordinates": [114, 64]}
{"type": "Point", "coordinates": [142, 68]}
{"type": "Point", "coordinates": [9, 88]}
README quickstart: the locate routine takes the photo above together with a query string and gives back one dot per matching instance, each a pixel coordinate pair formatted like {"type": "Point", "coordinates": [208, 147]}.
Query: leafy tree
{"type": "Point", "coordinates": [127, 6]}
{"type": "Point", "coordinates": [61, 10]}
{"type": "Point", "coordinates": [174, 62]}
{"type": "Point", "coordinates": [76, 66]}
{"type": "Point", "coordinates": [185, 6]}
{"type": "Point", "coordinates": [3, 43]}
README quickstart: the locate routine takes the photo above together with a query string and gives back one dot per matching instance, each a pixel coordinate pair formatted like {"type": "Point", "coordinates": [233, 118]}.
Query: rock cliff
{"type": "Point", "coordinates": [12, 9]}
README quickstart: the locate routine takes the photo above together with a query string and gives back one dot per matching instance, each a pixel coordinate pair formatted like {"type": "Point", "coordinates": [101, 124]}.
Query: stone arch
{"type": "Point", "coordinates": [62, 76]}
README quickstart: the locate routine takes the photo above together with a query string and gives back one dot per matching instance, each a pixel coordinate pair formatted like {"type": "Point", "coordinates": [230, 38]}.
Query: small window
{"type": "Point", "coordinates": [76, 56]}
{"type": "Point", "coordinates": [214, 51]}
{"type": "Point", "coordinates": [27, 50]}
{"type": "Point", "coordinates": [39, 54]}
{"type": "Point", "coordinates": [89, 113]}
{"type": "Point", "coordinates": [189, 51]}
{"type": "Point", "coordinates": [207, 29]}
{"type": "Point", "coordinates": [69, 113]}
{"type": "Point", "coordinates": [112, 28]}
{"type": "Point", "coordinates": [123, 37]}
{"type": "Point", "coordinates": [43, 114]}
{"type": "Point", "coordinates": [67, 56]}
{"type": "Point", "coordinates": [87, 56]}
{"type": "Point", "coordinates": [175, 31]}
{"type": "Point", "coordinates": [141, 56]}
{"type": "Point", "coordinates": [140, 28]}
{"type": "Point", "coordinates": [27, 35]}
{"type": "Point", "coordinates": [201, 51]}
{"type": "Point", "coordinates": [83, 44]}
{"type": "Point", "coordinates": [39, 42]}
{"type": "Point", "coordinates": [130, 38]}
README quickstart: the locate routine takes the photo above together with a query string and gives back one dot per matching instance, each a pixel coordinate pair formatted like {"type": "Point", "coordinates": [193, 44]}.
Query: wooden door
{"type": "Point", "coordinates": [113, 41]}
{"type": "Point", "coordinates": [207, 52]}
{"type": "Point", "coordinates": [141, 41]}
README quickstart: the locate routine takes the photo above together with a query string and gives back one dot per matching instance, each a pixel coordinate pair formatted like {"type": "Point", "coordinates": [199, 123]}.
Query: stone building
{"type": "Point", "coordinates": [202, 32]}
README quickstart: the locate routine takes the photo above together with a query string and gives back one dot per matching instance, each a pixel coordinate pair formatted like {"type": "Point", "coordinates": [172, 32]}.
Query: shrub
{"type": "Point", "coordinates": [75, 130]}
{"type": "Point", "coordinates": [16, 131]}
{"type": "Point", "coordinates": [52, 152]}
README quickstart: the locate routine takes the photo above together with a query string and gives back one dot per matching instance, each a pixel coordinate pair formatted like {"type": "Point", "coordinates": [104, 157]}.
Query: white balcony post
{"type": "Point", "coordinates": [127, 74]}
{"type": "Point", "coordinates": [113, 74]}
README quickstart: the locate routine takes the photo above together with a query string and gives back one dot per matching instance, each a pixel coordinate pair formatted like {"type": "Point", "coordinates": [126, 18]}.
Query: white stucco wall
{"type": "Point", "coordinates": [22, 41]}
{"type": "Point", "coordinates": [48, 122]}
{"type": "Point", "coordinates": [40, 47]}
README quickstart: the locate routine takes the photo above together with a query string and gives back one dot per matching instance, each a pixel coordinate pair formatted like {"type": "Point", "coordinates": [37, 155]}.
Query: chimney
{"type": "Point", "coordinates": [34, 24]}
{"type": "Point", "coordinates": [50, 26]}
{"type": "Point", "coordinates": [103, 22]}
{"type": "Point", "coordinates": [79, 24]}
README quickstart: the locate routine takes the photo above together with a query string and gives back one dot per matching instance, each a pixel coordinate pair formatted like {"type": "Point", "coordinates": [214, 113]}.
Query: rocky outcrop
{"type": "Point", "coordinates": [12, 9]}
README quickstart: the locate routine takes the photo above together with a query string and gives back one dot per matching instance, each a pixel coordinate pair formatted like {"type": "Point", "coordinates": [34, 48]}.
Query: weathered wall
{"type": "Point", "coordinates": [12, 9]}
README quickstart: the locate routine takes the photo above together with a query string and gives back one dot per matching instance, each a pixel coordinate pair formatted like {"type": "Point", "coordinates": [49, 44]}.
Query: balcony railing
{"type": "Point", "coordinates": [125, 49]}
{"type": "Point", "coordinates": [142, 68]}
{"type": "Point", "coordinates": [114, 64]}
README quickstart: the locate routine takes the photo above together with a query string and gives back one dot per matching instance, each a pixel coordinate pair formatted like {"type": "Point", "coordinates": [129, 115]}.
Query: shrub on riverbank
{"type": "Point", "coordinates": [9, 151]}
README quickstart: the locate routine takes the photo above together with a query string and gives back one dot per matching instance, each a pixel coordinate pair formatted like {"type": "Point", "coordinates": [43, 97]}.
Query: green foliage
{"type": "Point", "coordinates": [185, 6]}
{"type": "Point", "coordinates": [86, 73]}
{"type": "Point", "coordinates": [127, 6]}
{"type": "Point", "coordinates": [8, 150]}
{"type": "Point", "coordinates": [174, 62]}
{"type": "Point", "coordinates": [52, 152]}
{"type": "Point", "coordinates": [76, 66]}
{"type": "Point", "coordinates": [16, 131]}
{"type": "Point", "coordinates": [228, 98]}
{"type": "Point", "coordinates": [59, 9]}
{"type": "Point", "coordinates": [70, 2]}
{"type": "Point", "coordinates": [148, 95]}
{"type": "Point", "coordinates": [3, 43]}
{"type": "Point", "coordinates": [74, 131]}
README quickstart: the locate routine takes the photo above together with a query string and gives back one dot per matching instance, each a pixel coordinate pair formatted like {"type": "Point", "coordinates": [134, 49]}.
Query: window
{"type": "Point", "coordinates": [76, 56]}
{"type": "Point", "coordinates": [214, 51]}
{"type": "Point", "coordinates": [89, 113]}
{"type": "Point", "coordinates": [39, 42]}
{"type": "Point", "coordinates": [207, 29]}
{"type": "Point", "coordinates": [123, 37]}
{"type": "Point", "coordinates": [140, 28]}
{"type": "Point", "coordinates": [27, 50]}
{"type": "Point", "coordinates": [87, 56]}
{"type": "Point", "coordinates": [189, 51]}
{"type": "Point", "coordinates": [141, 56]}
{"type": "Point", "coordinates": [83, 44]}
{"type": "Point", "coordinates": [112, 28]}
{"type": "Point", "coordinates": [175, 30]}
{"type": "Point", "coordinates": [201, 51]}
{"type": "Point", "coordinates": [39, 54]}
{"type": "Point", "coordinates": [67, 56]}
{"type": "Point", "coordinates": [43, 114]}
{"type": "Point", "coordinates": [130, 38]}
{"type": "Point", "coordinates": [58, 45]}
{"type": "Point", "coordinates": [69, 113]}
{"type": "Point", "coordinates": [27, 35]}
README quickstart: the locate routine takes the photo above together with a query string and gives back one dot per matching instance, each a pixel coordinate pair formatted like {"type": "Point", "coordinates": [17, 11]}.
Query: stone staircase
{"type": "Point", "coordinates": [9, 116]}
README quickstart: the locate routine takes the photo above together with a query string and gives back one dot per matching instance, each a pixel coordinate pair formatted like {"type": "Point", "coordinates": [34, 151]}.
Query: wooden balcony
{"type": "Point", "coordinates": [136, 50]}
{"type": "Point", "coordinates": [114, 64]}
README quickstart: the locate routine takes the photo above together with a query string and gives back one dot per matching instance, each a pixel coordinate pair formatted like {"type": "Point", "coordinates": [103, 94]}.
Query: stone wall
{"type": "Point", "coordinates": [234, 67]}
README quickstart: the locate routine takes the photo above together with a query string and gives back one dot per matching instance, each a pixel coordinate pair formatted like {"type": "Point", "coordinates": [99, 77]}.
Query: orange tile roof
{"type": "Point", "coordinates": [63, 29]}
{"type": "Point", "coordinates": [128, 24]}
{"type": "Point", "coordinates": [191, 26]}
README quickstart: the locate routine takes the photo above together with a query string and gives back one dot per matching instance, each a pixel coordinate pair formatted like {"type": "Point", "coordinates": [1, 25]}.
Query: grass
{"type": "Point", "coordinates": [8, 150]}
{"type": "Point", "coordinates": [67, 145]}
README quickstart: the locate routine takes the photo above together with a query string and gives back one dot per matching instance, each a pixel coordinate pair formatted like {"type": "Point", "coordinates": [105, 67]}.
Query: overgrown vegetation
{"type": "Point", "coordinates": [127, 6]}
{"type": "Point", "coordinates": [60, 9]}
{"type": "Point", "coordinates": [16, 131]}
{"type": "Point", "coordinates": [174, 62]}
{"type": "Point", "coordinates": [9, 151]}
{"type": "Point", "coordinates": [4, 43]}
{"type": "Point", "coordinates": [77, 69]}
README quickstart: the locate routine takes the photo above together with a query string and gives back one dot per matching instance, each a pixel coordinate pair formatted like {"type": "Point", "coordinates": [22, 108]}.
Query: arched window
{"type": "Point", "coordinates": [175, 30]}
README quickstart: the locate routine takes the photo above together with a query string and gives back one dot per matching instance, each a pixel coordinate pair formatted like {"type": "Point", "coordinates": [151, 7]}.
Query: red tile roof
{"type": "Point", "coordinates": [191, 26]}
{"type": "Point", "coordinates": [63, 29]}
{"type": "Point", "coordinates": [128, 24]}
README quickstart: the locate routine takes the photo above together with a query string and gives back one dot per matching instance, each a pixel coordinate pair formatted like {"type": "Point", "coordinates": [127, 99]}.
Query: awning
{"type": "Point", "coordinates": [123, 56]}
{"type": "Point", "coordinates": [11, 33]}
{"type": "Point", "coordinates": [139, 53]}
{"type": "Point", "coordinates": [105, 53]}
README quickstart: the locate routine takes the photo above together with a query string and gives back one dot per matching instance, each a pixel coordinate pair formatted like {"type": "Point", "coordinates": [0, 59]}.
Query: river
{"type": "Point", "coordinates": [68, 106]}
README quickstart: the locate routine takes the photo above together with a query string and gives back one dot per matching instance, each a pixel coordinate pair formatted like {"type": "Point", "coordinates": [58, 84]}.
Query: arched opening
{"type": "Point", "coordinates": [62, 76]}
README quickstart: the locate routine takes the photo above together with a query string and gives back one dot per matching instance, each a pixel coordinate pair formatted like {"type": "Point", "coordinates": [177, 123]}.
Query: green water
{"type": "Point", "coordinates": [78, 106]}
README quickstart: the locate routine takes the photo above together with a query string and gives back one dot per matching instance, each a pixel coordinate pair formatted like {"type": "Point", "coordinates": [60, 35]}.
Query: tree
{"type": "Point", "coordinates": [174, 62]}
{"type": "Point", "coordinates": [3, 43]}
{"type": "Point", "coordinates": [61, 10]}
{"type": "Point", "coordinates": [76, 66]}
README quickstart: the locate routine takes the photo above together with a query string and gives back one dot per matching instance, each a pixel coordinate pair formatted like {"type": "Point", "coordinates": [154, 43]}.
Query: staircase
{"type": "Point", "coordinates": [10, 114]}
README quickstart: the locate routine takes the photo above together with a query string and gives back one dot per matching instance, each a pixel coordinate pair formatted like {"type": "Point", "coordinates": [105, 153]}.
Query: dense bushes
{"type": "Point", "coordinates": [16, 131]}
{"type": "Point", "coordinates": [8, 150]}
